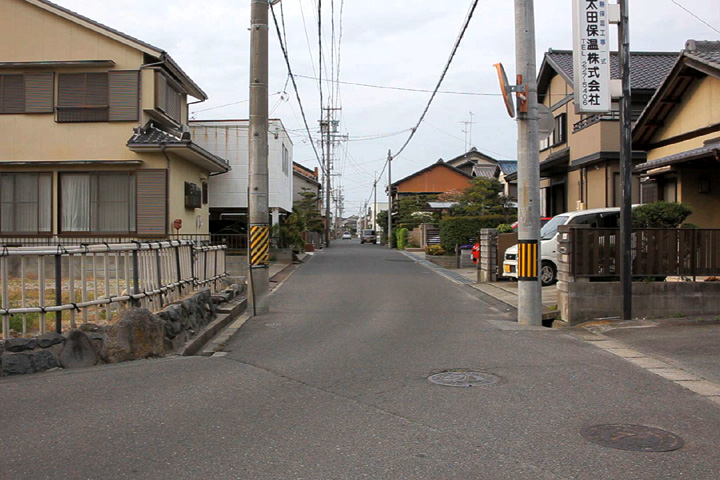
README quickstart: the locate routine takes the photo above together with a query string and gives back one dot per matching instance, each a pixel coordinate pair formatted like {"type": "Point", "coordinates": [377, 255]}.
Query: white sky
{"type": "Point", "coordinates": [385, 42]}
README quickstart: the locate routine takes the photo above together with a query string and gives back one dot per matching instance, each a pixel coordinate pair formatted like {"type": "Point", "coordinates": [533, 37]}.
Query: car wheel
{"type": "Point", "coordinates": [548, 273]}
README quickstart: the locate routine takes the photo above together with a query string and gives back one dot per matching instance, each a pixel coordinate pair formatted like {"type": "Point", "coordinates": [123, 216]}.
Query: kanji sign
{"type": "Point", "coordinates": [591, 56]}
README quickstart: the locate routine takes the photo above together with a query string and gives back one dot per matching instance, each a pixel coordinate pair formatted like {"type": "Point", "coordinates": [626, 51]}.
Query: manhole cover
{"type": "Point", "coordinates": [463, 379]}
{"type": "Point", "coordinates": [637, 438]}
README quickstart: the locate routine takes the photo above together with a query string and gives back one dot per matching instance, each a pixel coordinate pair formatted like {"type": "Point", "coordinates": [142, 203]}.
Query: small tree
{"type": "Point", "coordinates": [307, 209]}
{"type": "Point", "coordinates": [660, 215]}
{"type": "Point", "coordinates": [483, 197]}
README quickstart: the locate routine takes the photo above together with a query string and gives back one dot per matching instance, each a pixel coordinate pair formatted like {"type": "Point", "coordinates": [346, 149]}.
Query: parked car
{"type": "Point", "coordinates": [346, 236]}
{"type": "Point", "coordinates": [543, 221]}
{"type": "Point", "coordinates": [368, 236]}
{"type": "Point", "coordinates": [599, 217]}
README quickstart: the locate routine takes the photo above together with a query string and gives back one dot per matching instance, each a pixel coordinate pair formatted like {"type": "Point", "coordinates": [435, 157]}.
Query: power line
{"type": "Point", "coordinates": [691, 13]}
{"type": "Point", "coordinates": [407, 89]}
{"type": "Point", "coordinates": [297, 93]}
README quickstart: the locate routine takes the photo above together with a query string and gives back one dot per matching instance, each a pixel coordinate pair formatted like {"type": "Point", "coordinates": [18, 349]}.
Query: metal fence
{"type": "Point", "coordinates": [233, 241]}
{"type": "Point", "coordinates": [656, 252]}
{"type": "Point", "coordinates": [96, 283]}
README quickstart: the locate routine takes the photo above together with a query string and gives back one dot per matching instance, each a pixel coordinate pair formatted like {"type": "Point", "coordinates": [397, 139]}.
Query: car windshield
{"type": "Point", "coordinates": [550, 229]}
{"type": "Point", "coordinates": [368, 232]}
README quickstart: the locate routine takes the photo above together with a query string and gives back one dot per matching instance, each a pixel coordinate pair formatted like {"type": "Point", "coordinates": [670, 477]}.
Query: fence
{"type": "Point", "coordinates": [98, 282]}
{"type": "Point", "coordinates": [656, 252]}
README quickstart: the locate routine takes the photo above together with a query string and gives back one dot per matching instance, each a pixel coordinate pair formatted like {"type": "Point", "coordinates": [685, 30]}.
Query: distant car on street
{"type": "Point", "coordinates": [368, 236]}
{"type": "Point", "coordinates": [346, 236]}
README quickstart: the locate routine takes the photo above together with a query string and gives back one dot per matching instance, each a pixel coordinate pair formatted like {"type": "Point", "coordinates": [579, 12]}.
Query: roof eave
{"type": "Point", "coordinates": [188, 151]}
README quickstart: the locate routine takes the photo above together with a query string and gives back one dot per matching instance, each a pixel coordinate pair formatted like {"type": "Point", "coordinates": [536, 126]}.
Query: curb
{"type": "Point", "coordinates": [227, 312]}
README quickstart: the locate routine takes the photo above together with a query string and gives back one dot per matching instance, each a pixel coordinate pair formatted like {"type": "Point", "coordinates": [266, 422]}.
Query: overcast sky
{"type": "Point", "coordinates": [384, 42]}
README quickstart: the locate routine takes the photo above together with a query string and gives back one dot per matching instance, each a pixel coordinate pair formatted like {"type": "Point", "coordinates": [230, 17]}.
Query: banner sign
{"type": "Point", "coordinates": [591, 56]}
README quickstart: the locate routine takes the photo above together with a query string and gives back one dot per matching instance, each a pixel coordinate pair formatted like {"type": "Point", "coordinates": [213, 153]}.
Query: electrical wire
{"type": "Point", "coordinates": [297, 93]}
{"type": "Point", "coordinates": [691, 13]}
{"type": "Point", "coordinates": [407, 89]}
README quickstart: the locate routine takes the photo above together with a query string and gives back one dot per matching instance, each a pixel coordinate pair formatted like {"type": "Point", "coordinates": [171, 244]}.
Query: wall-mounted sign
{"type": "Point", "coordinates": [591, 55]}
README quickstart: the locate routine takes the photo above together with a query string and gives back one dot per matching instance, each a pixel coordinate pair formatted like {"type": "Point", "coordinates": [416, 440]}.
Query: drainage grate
{"type": "Point", "coordinates": [636, 438]}
{"type": "Point", "coordinates": [460, 378]}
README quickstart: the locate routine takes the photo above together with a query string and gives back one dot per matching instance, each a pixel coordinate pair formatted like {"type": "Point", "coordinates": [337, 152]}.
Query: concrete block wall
{"type": "Point", "coordinates": [488, 255]}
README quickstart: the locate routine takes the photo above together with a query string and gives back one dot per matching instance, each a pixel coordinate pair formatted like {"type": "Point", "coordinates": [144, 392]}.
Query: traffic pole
{"type": "Point", "coordinates": [258, 207]}
{"type": "Point", "coordinates": [529, 286]}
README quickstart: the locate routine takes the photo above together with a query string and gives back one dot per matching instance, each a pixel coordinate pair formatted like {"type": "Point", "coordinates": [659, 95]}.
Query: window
{"type": "Point", "coordinates": [168, 98]}
{"type": "Point", "coordinates": [558, 135]}
{"type": "Point", "coordinates": [285, 160]}
{"type": "Point", "coordinates": [205, 193]}
{"type": "Point", "coordinates": [192, 196]}
{"type": "Point", "coordinates": [98, 97]}
{"type": "Point", "coordinates": [97, 202]}
{"type": "Point", "coordinates": [25, 203]}
{"type": "Point", "coordinates": [26, 93]}
{"type": "Point", "coordinates": [648, 191]}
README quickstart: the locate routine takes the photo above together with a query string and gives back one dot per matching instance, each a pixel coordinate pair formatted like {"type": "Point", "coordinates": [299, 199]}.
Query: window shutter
{"type": "Point", "coordinates": [13, 94]}
{"type": "Point", "coordinates": [160, 92]}
{"type": "Point", "coordinates": [71, 89]}
{"type": "Point", "coordinates": [173, 103]}
{"type": "Point", "coordinates": [39, 92]}
{"type": "Point", "coordinates": [152, 202]}
{"type": "Point", "coordinates": [97, 89]}
{"type": "Point", "coordinates": [123, 98]}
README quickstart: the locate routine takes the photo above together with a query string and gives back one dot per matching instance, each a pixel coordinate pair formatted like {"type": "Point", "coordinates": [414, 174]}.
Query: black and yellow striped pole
{"type": "Point", "coordinates": [528, 260]}
{"type": "Point", "coordinates": [259, 253]}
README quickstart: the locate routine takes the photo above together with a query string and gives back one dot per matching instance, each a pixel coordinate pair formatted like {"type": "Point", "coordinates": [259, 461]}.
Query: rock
{"type": "Point", "coordinates": [98, 341]}
{"type": "Point", "coordinates": [174, 318]}
{"type": "Point", "coordinates": [78, 351]}
{"type": "Point", "coordinates": [173, 344]}
{"type": "Point", "coordinates": [24, 363]}
{"type": "Point", "coordinates": [139, 334]}
{"type": "Point", "coordinates": [93, 328]}
{"type": "Point", "coordinates": [49, 339]}
{"type": "Point", "coordinates": [20, 344]}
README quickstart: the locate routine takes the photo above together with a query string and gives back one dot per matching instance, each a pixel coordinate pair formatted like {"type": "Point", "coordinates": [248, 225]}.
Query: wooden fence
{"type": "Point", "coordinates": [656, 252]}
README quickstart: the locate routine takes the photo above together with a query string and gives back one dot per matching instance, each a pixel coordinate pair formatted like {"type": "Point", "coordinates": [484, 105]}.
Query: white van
{"type": "Point", "coordinates": [598, 217]}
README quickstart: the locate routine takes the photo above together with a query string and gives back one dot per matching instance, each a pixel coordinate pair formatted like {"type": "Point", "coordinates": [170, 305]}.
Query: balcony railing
{"type": "Point", "coordinates": [593, 119]}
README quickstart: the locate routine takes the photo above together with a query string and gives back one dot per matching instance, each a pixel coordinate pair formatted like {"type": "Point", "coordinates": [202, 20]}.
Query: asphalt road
{"type": "Point", "coordinates": [332, 384]}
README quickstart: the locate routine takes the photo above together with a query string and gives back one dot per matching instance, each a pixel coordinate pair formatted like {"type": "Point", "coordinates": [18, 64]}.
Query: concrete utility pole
{"type": "Point", "coordinates": [258, 208]}
{"type": "Point", "coordinates": [529, 286]}
{"type": "Point", "coordinates": [389, 232]}
{"type": "Point", "coordinates": [327, 178]}
{"type": "Point", "coordinates": [375, 206]}
{"type": "Point", "coordinates": [625, 163]}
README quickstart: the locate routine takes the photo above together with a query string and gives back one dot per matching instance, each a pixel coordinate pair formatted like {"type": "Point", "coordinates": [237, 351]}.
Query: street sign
{"type": "Point", "coordinates": [505, 89]}
{"type": "Point", "coordinates": [591, 56]}
{"type": "Point", "coordinates": [546, 122]}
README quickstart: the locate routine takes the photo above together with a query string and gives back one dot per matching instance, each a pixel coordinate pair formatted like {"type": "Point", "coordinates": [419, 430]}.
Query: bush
{"type": "Point", "coordinates": [401, 238]}
{"type": "Point", "coordinates": [504, 228]}
{"type": "Point", "coordinates": [464, 230]}
{"type": "Point", "coordinates": [660, 215]}
{"type": "Point", "coordinates": [434, 250]}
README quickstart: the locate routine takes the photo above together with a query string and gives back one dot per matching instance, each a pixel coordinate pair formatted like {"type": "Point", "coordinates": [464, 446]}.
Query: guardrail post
{"type": "Point", "coordinates": [5, 297]}
{"type": "Point", "coordinates": [159, 272]}
{"type": "Point", "coordinates": [58, 292]}
{"type": "Point", "coordinates": [136, 277]}
{"type": "Point", "coordinates": [216, 274]}
{"type": "Point", "coordinates": [177, 265]}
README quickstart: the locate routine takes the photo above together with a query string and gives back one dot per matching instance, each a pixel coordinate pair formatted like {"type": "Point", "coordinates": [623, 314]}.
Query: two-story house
{"type": "Point", "coordinates": [479, 164]}
{"type": "Point", "coordinates": [579, 161]}
{"type": "Point", "coordinates": [680, 131]}
{"type": "Point", "coordinates": [93, 138]}
{"type": "Point", "coordinates": [440, 177]}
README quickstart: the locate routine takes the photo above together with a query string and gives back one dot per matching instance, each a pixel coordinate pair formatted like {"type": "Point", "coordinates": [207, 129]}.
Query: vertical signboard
{"type": "Point", "coordinates": [591, 56]}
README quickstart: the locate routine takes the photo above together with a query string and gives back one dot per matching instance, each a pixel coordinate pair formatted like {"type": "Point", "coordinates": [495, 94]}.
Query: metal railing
{"type": "Point", "coordinates": [233, 241]}
{"type": "Point", "coordinates": [593, 119]}
{"type": "Point", "coordinates": [96, 283]}
{"type": "Point", "coordinates": [656, 252]}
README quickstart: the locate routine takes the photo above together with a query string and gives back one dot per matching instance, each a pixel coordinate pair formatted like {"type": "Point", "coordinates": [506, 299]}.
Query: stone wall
{"type": "Point", "coordinates": [139, 334]}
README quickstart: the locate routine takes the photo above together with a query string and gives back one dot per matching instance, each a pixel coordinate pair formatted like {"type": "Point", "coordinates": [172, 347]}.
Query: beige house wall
{"type": "Point", "coordinates": [688, 194]}
{"type": "Point", "coordinates": [596, 177]}
{"type": "Point", "coordinates": [698, 109]}
{"type": "Point", "coordinates": [30, 34]}
{"type": "Point", "coordinates": [558, 90]}
{"type": "Point", "coordinates": [573, 190]}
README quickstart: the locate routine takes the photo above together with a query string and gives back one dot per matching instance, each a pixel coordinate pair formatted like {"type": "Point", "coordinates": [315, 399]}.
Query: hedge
{"type": "Point", "coordinates": [464, 230]}
{"type": "Point", "coordinates": [401, 238]}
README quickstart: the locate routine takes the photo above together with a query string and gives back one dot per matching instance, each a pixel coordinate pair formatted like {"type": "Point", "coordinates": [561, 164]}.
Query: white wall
{"type": "Point", "coordinates": [229, 139]}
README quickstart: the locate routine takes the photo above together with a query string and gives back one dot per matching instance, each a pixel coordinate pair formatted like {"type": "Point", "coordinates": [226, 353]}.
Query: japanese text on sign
{"type": "Point", "coordinates": [591, 55]}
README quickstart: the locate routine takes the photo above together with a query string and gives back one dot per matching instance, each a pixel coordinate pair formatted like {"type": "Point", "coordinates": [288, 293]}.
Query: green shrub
{"type": "Point", "coordinates": [401, 238]}
{"type": "Point", "coordinates": [660, 215]}
{"type": "Point", "coordinates": [504, 228]}
{"type": "Point", "coordinates": [464, 230]}
{"type": "Point", "coordinates": [435, 250]}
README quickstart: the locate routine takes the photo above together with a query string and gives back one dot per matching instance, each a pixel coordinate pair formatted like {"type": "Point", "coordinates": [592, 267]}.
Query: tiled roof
{"type": "Point", "coordinates": [484, 171]}
{"type": "Point", "coordinates": [706, 52]}
{"type": "Point", "coordinates": [707, 150]}
{"type": "Point", "coordinates": [649, 69]}
{"type": "Point", "coordinates": [508, 166]}
{"type": "Point", "coordinates": [151, 135]}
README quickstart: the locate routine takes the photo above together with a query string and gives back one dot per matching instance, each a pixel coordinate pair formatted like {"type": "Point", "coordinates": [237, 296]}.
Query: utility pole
{"type": "Point", "coordinates": [327, 178]}
{"type": "Point", "coordinates": [258, 208]}
{"type": "Point", "coordinates": [375, 206]}
{"type": "Point", "coordinates": [625, 163]}
{"type": "Point", "coordinates": [529, 287]}
{"type": "Point", "coordinates": [389, 232]}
